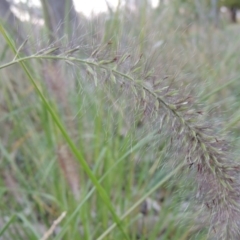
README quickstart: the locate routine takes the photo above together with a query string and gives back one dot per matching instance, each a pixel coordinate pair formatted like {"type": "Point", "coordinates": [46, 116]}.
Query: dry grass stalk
{"type": "Point", "coordinates": [70, 169]}
{"type": "Point", "coordinates": [53, 227]}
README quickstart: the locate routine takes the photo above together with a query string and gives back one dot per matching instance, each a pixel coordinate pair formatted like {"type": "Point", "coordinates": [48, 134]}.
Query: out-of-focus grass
{"type": "Point", "coordinates": [119, 149]}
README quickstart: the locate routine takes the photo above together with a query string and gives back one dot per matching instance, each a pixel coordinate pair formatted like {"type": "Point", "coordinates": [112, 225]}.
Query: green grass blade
{"type": "Point", "coordinates": [216, 90]}
{"type": "Point", "coordinates": [6, 226]}
{"type": "Point", "coordinates": [152, 190]}
{"type": "Point", "coordinates": [67, 138]}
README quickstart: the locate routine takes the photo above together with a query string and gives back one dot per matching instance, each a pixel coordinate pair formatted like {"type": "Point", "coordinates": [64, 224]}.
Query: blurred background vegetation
{"type": "Point", "coordinates": [190, 45]}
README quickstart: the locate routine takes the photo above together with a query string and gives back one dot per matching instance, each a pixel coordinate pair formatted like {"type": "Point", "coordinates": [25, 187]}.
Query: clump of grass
{"type": "Point", "coordinates": [205, 153]}
{"type": "Point", "coordinates": [194, 142]}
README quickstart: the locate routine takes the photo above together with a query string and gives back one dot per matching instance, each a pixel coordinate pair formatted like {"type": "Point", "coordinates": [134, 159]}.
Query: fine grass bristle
{"type": "Point", "coordinates": [129, 131]}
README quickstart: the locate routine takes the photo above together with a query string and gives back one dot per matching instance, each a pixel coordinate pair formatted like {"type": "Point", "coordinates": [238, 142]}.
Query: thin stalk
{"type": "Point", "coordinates": [216, 90]}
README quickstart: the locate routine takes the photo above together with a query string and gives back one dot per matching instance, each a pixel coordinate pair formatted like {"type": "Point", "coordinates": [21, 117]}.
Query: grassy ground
{"type": "Point", "coordinates": [81, 134]}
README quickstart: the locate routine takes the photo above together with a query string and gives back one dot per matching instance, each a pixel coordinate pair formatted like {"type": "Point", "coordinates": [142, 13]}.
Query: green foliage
{"type": "Point", "coordinates": [230, 3]}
